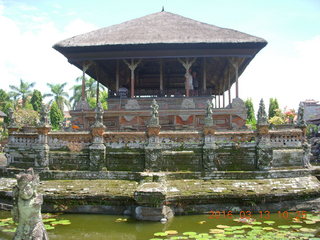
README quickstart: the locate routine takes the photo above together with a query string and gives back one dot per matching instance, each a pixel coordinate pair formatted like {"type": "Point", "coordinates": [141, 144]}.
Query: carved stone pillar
{"type": "Point", "coordinates": [153, 151]}
{"type": "Point", "coordinates": [42, 148]}
{"type": "Point", "coordinates": [12, 128]}
{"type": "Point", "coordinates": [264, 149]}
{"type": "Point", "coordinates": [209, 147]}
{"type": "Point", "coordinates": [97, 149]}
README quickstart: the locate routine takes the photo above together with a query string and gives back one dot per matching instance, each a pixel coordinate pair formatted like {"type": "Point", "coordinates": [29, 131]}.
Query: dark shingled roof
{"type": "Point", "coordinates": [160, 28]}
{"type": "Point", "coordinates": [2, 114]}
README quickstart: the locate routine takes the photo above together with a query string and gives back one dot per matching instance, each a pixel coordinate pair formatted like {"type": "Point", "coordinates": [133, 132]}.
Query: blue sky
{"type": "Point", "coordinates": [287, 68]}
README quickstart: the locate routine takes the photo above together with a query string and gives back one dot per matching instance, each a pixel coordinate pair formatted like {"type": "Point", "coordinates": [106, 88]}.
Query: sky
{"type": "Point", "coordinates": [286, 69]}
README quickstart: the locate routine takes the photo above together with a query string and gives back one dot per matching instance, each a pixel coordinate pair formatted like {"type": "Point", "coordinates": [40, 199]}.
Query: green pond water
{"type": "Point", "coordinates": [199, 227]}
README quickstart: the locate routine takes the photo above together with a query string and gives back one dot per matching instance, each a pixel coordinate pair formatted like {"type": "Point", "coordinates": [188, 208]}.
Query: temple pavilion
{"type": "Point", "coordinates": [178, 61]}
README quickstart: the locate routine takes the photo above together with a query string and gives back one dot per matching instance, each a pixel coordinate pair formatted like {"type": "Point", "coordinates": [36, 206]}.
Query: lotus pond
{"type": "Point", "coordinates": [196, 227]}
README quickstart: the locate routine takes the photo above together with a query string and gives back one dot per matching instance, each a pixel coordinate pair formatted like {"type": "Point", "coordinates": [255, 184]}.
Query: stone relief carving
{"type": "Point", "coordinates": [188, 103]}
{"type": "Point", "coordinates": [132, 104]}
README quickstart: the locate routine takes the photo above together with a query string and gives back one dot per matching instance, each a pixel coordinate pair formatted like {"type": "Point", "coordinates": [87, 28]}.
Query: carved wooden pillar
{"type": "Point", "coordinates": [132, 66]}
{"type": "Point", "coordinates": [229, 87]}
{"type": "Point", "coordinates": [117, 76]}
{"type": "Point", "coordinates": [187, 63]}
{"type": "Point", "coordinates": [161, 76]}
{"type": "Point", "coordinates": [204, 83]}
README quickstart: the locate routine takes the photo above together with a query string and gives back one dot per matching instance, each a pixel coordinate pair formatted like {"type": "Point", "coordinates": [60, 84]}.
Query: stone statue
{"type": "Point", "coordinates": [99, 116]}
{"type": "Point", "coordinates": [262, 115]}
{"type": "Point", "coordinates": [300, 121]}
{"type": "Point", "coordinates": [208, 121]}
{"type": "Point", "coordinates": [27, 208]}
{"type": "Point", "coordinates": [12, 119]}
{"type": "Point", "coordinates": [44, 116]}
{"type": "Point", "coordinates": [154, 121]}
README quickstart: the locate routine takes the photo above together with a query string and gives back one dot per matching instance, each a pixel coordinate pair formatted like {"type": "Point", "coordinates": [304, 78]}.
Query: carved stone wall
{"type": "Point", "coordinates": [160, 151]}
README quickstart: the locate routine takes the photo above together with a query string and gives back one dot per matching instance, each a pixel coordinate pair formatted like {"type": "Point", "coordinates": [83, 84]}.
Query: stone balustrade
{"type": "Point", "coordinates": [157, 150]}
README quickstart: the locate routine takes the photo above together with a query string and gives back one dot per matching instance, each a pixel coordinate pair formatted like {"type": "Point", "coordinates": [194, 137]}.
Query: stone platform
{"type": "Point", "coordinates": [158, 195]}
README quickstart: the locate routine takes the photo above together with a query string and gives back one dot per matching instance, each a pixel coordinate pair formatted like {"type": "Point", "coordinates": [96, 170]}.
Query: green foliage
{"type": "Point", "coordinates": [312, 129]}
{"type": "Point", "coordinates": [276, 120]}
{"type": "Point", "coordinates": [23, 91]}
{"type": "Point", "coordinates": [250, 110]}
{"type": "Point", "coordinates": [103, 96]}
{"type": "Point", "coordinates": [36, 100]}
{"type": "Point", "coordinates": [56, 116]}
{"type": "Point", "coordinates": [5, 104]}
{"type": "Point", "coordinates": [273, 106]}
{"type": "Point", "coordinates": [26, 117]}
{"type": "Point", "coordinates": [59, 95]}
{"type": "Point", "coordinates": [90, 93]}
{"type": "Point", "coordinates": [251, 119]}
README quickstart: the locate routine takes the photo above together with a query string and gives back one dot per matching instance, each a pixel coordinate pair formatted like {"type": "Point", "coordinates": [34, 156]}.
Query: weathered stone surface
{"type": "Point", "coordinates": [287, 157]}
{"type": "Point", "coordinates": [97, 156]}
{"type": "Point", "coordinates": [153, 214]}
{"type": "Point", "coordinates": [27, 208]}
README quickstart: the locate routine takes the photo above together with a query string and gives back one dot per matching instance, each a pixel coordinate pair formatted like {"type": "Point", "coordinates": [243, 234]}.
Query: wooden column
{"type": "Point", "coordinates": [132, 66]}
{"type": "Point", "coordinates": [117, 76]}
{"type": "Point", "coordinates": [98, 78]}
{"type": "Point", "coordinates": [215, 101]}
{"type": "Point", "coordinates": [161, 76]}
{"type": "Point", "coordinates": [204, 80]}
{"type": "Point", "coordinates": [237, 82]}
{"type": "Point", "coordinates": [187, 65]}
{"type": "Point", "coordinates": [85, 67]}
{"type": "Point", "coordinates": [223, 101]}
{"type": "Point", "coordinates": [229, 87]}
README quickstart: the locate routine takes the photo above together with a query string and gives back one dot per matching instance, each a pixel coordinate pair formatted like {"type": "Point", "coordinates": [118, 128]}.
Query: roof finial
{"type": "Point", "coordinates": [162, 9]}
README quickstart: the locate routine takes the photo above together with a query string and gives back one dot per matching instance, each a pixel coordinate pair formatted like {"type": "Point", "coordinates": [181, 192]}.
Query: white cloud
{"type": "Point", "coordinates": [27, 53]}
{"type": "Point", "coordinates": [290, 79]}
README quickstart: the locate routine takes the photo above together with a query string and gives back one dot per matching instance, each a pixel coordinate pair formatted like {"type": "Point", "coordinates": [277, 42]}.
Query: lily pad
{"type": "Point", "coordinates": [308, 230]}
{"type": "Point", "coordinates": [189, 233]}
{"type": "Point", "coordinates": [48, 227]}
{"type": "Point", "coordinates": [256, 223]}
{"type": "Point", "coordinates": [268, 228]}
{"type": "Point", "coordinates": [171, 232]}
{"type": "Point", "coordinates": [9, 230]}
{"type": "Point", "coordinates": [284, 226]}
{"type": "Point", "coordinates": [309, 222]}
{"type": "Point", "coordinates": [216, 231]}
{"type": "Point", "coordinates": [295, 226]}
{"type": "Point", "coordinates": [223, 226]}
{"type": "Point", "coordinates": [49, 220]}
{"type": "Point", "coordinates": [269, 222]}
{"type": "Point", "coordinates": [160, 234]}
{"type": "Point", "coordinates": [61, 222]}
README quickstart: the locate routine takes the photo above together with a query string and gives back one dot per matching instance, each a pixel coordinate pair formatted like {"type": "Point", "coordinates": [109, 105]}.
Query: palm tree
{"type": "Point", "coordinates": [90, 90]}
{"type": "Point", "coordinates": [23, 91]}
{"type": "Point", "coordinates": [58, 94]}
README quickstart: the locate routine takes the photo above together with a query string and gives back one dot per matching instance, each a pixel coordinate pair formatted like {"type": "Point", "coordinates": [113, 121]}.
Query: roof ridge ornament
{"type": "Point", "coordinates": [162, 9]}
